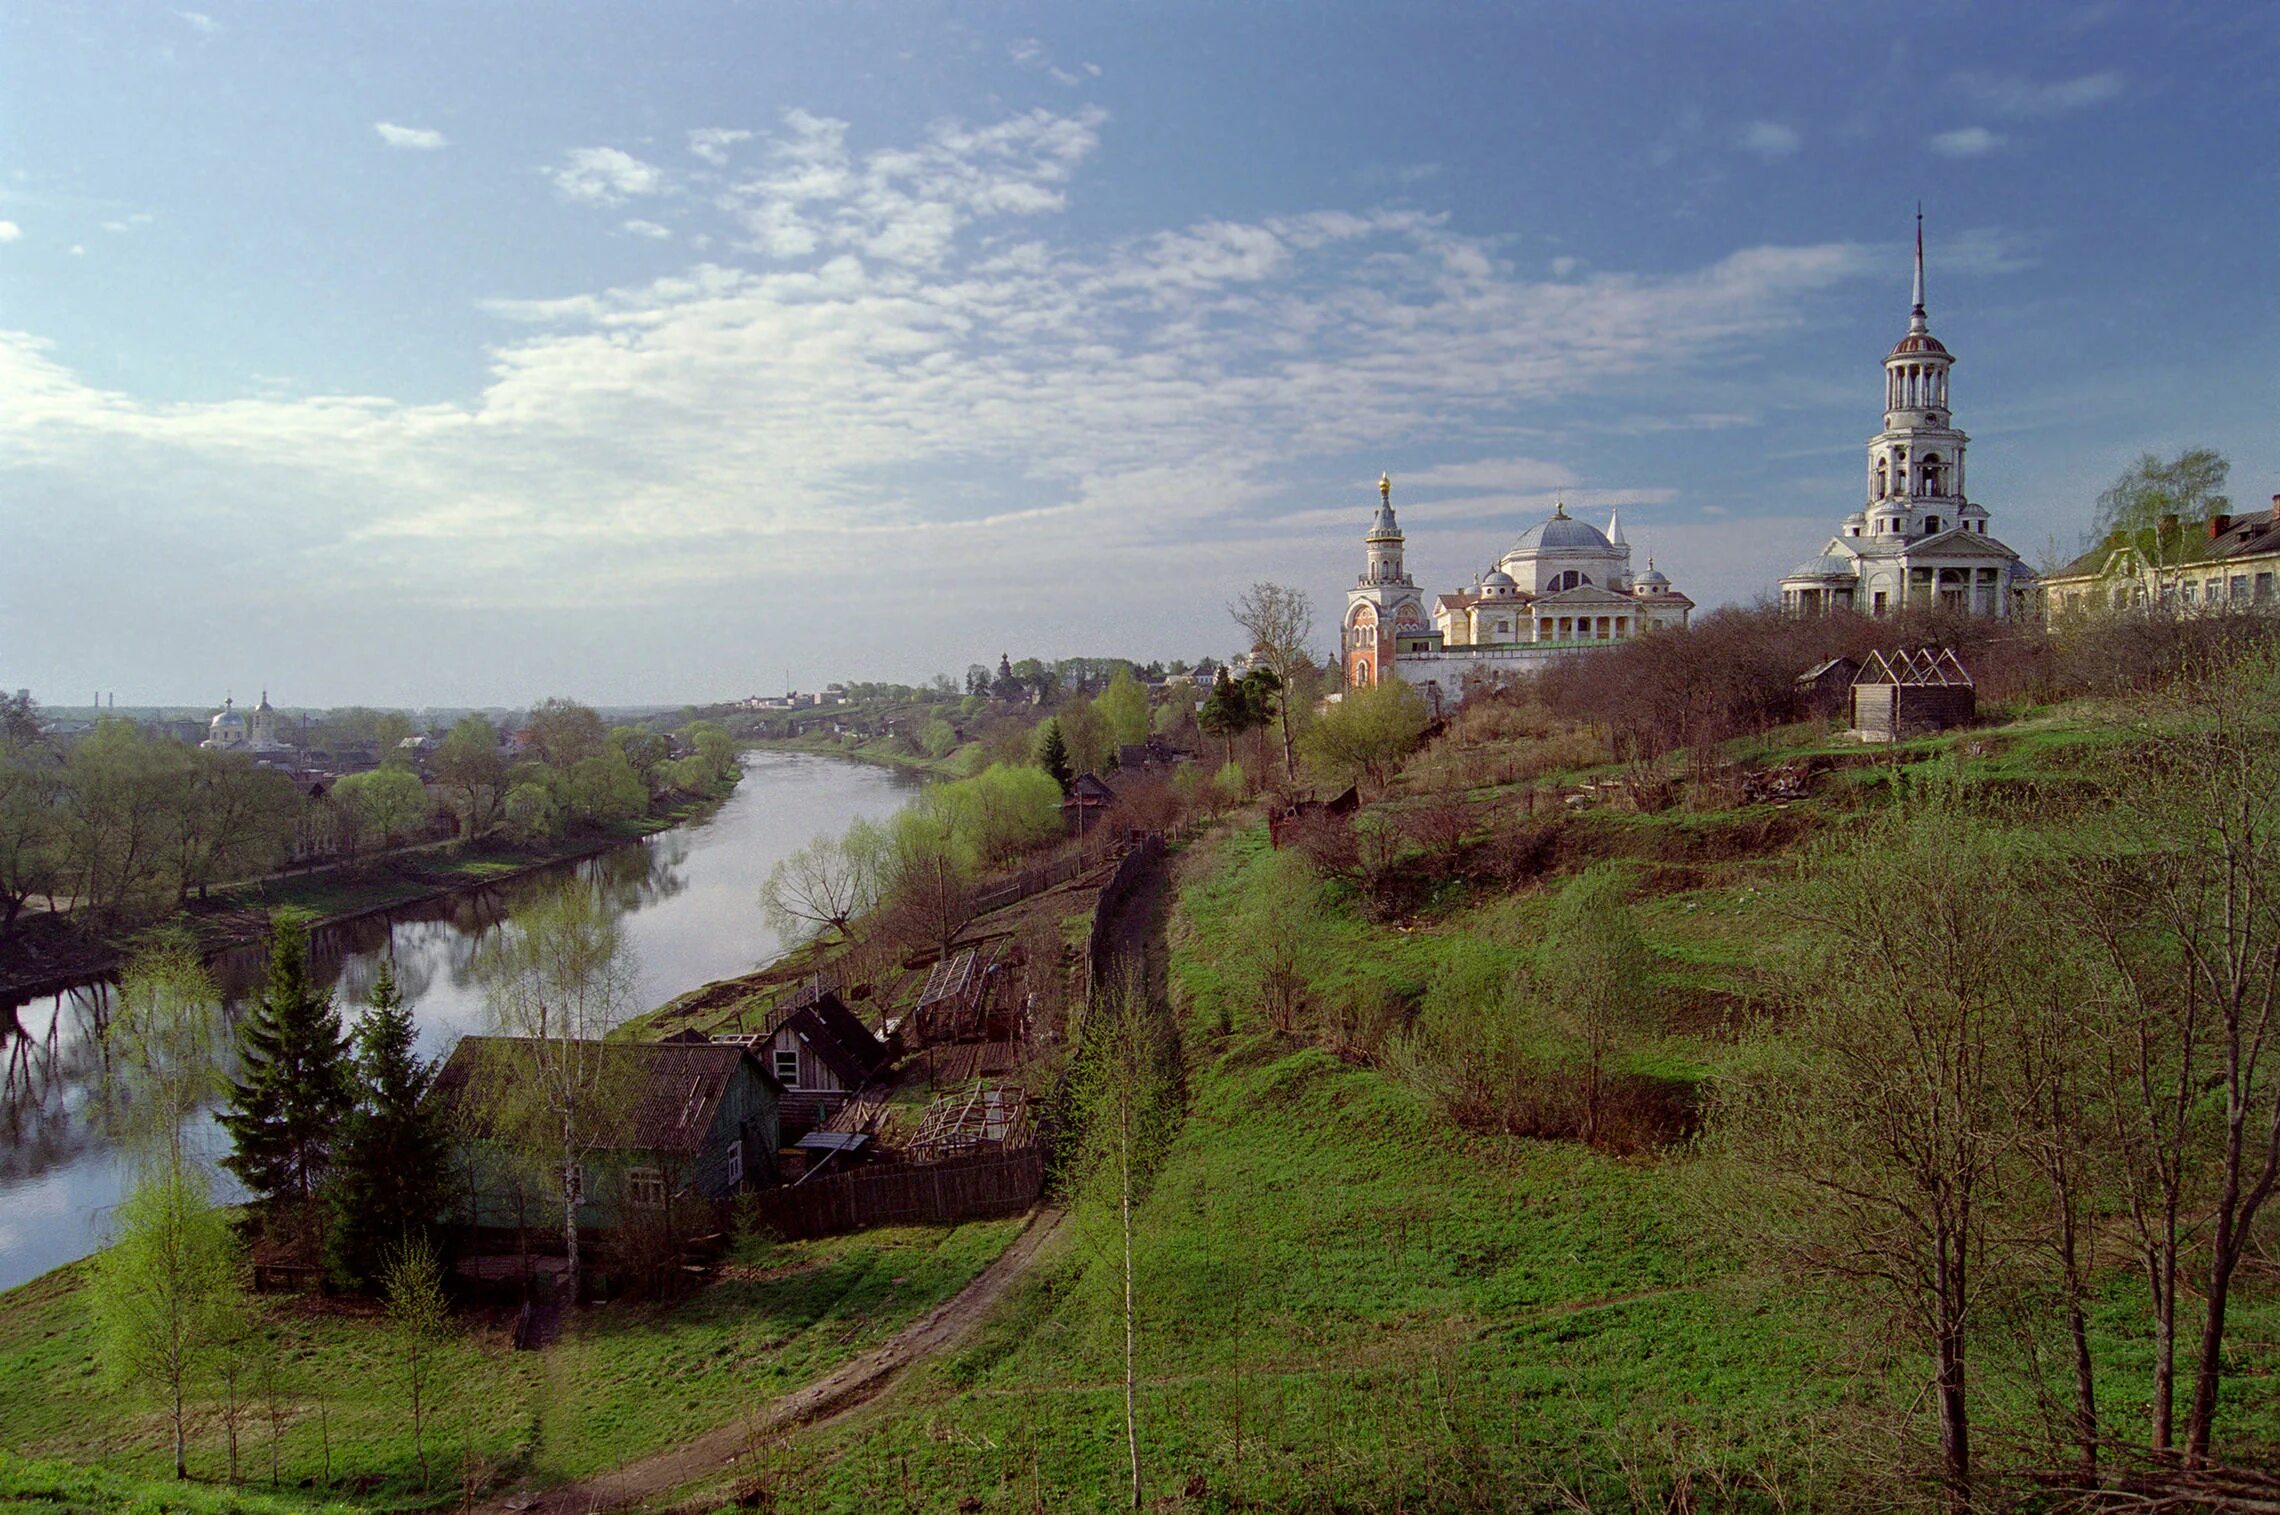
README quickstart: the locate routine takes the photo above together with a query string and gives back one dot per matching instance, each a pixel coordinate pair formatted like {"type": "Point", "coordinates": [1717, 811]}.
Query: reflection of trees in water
{"type": "Point", "coordinates": [51, 1080]}
{"type": "Point", "coordinates": [53, 1094]}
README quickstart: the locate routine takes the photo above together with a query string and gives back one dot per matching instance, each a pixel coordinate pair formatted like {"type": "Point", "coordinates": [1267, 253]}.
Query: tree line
{"type": "Point", "coordinates": [128, 825]}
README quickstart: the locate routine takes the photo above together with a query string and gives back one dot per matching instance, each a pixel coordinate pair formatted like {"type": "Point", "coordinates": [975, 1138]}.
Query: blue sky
{"type": "Point", "coordinates": [466, 353]}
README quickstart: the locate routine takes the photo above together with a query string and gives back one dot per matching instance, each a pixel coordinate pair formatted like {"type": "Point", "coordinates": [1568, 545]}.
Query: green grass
{"type": "Point", "coordinates": [31, 1486]}
{"type": "Point", "coordinates": [628, 1380]}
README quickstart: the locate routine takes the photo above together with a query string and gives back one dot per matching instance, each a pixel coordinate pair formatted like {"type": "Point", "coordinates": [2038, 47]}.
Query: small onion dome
{"type": "Point", "coordinates": [1384, 528]}
{"type": "Point", "coordinates": [1918, 343]}
{"type": "Point", "coordinates": [1654, 578]}
{"type": "Point", "coordinates": [1498, 584]}
{"type": "Point", "coordinates": [1828, 566]}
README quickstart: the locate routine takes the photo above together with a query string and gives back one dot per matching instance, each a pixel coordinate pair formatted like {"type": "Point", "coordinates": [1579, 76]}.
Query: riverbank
{"type": "Point", "coordinates": [956, 765]}
{"type": "Point", "coordinates": [48, 954]}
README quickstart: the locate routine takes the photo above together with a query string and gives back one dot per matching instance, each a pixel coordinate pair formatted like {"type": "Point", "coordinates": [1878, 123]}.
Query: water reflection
{"type": "Point", "coordinates": [688, 899]}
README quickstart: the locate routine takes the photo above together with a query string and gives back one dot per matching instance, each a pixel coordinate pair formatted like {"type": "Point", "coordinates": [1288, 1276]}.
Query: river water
{"type": "Point", "coordinates": [689, 902]}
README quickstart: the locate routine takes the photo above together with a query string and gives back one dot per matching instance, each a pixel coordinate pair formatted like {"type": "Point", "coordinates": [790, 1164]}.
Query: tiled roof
{"type": "Point", "coordinates": [2248, 536]}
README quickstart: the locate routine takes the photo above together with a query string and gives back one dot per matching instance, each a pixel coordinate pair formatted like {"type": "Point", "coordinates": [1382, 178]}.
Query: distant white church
{"type": "Point", "coordinates": [1920, 541]}
{"type": "Point", "coordinates": [230, 731]}
{"type": "Point", "coordinates": [1564, 586]}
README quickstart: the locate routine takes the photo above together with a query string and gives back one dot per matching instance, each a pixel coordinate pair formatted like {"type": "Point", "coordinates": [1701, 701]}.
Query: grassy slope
{"type": "Point", "coordinates": [630, 1380]}
{"type": "Point", "coordinates": [1399, 1314]}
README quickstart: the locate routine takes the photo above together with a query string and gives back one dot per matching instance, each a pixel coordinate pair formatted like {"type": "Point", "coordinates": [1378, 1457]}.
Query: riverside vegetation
{"type": "Point", "coordinates": [1566, 1130]}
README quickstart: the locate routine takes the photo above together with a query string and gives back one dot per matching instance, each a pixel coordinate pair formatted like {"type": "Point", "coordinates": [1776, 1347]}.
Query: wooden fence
{"type": "Point", "coordinates": [907, 1194]}
{"type": "Point", "coordinates": [1100, 942]}
{"type": "Point", "coordinates": [1032, 880]}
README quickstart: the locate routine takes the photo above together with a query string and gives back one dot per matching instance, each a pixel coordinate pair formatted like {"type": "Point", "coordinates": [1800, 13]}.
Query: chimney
{"type": "Point", "coordinates": [2218, 524]}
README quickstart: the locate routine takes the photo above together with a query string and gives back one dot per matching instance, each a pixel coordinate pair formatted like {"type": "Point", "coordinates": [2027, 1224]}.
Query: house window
{"type": "Point", "coordinates": [2240, 589]}
{"type": "Point", "coordinates": [1877, 603]}
{"type": "Point", "coordinates": [736, 1162]}
{"type": "Point", "coordinates": [788, 1058]}
{"type": "Point", "coordinates": [2264, 589]}
{"type": "Point", "coordinates": [645, 1187]}
{"type": "Point", "coordinates": [2187, 591]}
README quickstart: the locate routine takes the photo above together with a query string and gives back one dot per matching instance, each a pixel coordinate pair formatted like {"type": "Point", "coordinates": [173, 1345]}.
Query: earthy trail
{"type": "Point", "coordinates": [831, 1395]}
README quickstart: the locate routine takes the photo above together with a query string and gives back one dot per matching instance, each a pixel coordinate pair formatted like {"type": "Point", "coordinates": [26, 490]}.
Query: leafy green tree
{"type": "Point", "coordinates": [824, 885]}
{"type": "Point", "coordinates": [557, 980]}
{"type": "Point", "coordinates": [565, 733]}
{"type": "Point", "coordinates": [2189, 486]}
{"type": "Point", "coordinates": [1091, 746]}
{"type": "Point", "coordinates": [604, 790]}
{"type": "Point", "coordinates": [419, 1318]}
{"type": "Point", "coordinates": [1370, 730]}
{"type": "Point", "coordinates": [1126, 1098]}
{"type": "Point", "coordinates": [530, 814]}
{"type": "Point", "coordinates": [31, 826]}
{"type": "Point", "coordinates": [390, 730]}
{"type": "Point", "coordinates": [384, 804]}
{"type": "Point", "coordinates": [1123, 708]}
{"type": "Point", "coordinates": [472, 773]}
{"type": "Point", "coordinates": [938, 738]}
{"type": "Point", "coordinates": [387, 1187]}
{"type": "Point", "coordinates": [1594, 974]}
{"type": "Point", "coordinates": [163, 1290]}
{"type": "Point", "coordinates": [285, 1113]}
{"type": "Point", "coordinates": [120, 798]}
{"type": "Point", "coordinates": [1050, 751]}
{"type": "Point", "coordinates": [1225, 714]}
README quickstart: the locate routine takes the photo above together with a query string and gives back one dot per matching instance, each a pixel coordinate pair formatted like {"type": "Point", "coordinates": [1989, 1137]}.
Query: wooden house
{"type": "Point", "coordinates": [1089, 800]}
{"type": "Point", "coordinates": [677, 1121]}
{"type": "Point", "coordinates": [1909, 693]}
{"type": "Point", "coordinates": [821, 1052]}
{"type": "Point", "coordinates": [1826, 688]}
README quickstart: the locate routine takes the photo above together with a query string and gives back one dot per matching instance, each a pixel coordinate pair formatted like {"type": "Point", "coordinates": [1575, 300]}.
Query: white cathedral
{"type": "Point", "coordinates": [230, 731]}
{"type": "Point", "coordinates": [1564, 586]}
{"type": "Point", "coordinates": [1920, 542]}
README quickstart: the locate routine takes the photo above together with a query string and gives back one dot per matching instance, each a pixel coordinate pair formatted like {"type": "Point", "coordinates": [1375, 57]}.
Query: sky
{"type": "Point", "coordinates": [436, 354]}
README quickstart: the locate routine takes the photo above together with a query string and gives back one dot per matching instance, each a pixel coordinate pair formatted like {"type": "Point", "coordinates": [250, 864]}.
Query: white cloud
{"type": "Point", "coordinates": [199, 21]}
{"type": "Point", "coordinates": [1770, 140]}
{"type": "Point", "coordinates": [10, 231]}
{"type": "Point", "coordinates": [1966, 142]}
{"type": "Point", "coordinates": [649, 229]}
{"type": "Point", "coordinates": [2011, 95]}
{"type": "Point", "coordinates": [135, 221]}
{"type": "Point", "coordinates": [712, 143]}
{"type": "Point", "coordinates": [907, 350]}
{"type": "Point", "coordinates": [1562, 267]}
{"type": "Point", "coordinates": [1030, 53]}
{"type": "Point", "coordinates": [605, 176]}
{"type": "Point", "coordinates": [416, 138]}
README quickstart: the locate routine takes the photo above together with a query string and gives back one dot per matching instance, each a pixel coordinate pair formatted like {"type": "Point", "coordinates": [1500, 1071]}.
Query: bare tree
{"type": "Point", "coordinates": [1881, 1157]}
{"type": "Point", "coordinates": [2189, 925]}
{"type": "Point", "coordinates": [1278, 619]}
{"type": "Point", "coordinates": [558, 979]}
{"type": "Point", "coordinates": [822, 886]}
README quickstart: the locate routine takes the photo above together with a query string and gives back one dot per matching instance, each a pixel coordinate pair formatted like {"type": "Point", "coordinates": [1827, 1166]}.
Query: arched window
{"type": "Point", "coordinates": [1879, 479]}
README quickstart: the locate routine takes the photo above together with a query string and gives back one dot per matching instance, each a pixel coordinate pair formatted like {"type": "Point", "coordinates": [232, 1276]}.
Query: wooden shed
{"type": "Point", "coordinates": [821, 1052]}
{"type": "Point", "coordinates": [1911, 692]}
{"type": "Point", "coordinates": [1826, 688]}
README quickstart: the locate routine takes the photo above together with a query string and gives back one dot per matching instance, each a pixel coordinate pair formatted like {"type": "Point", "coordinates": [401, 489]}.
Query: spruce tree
{"type": "Point", "coordinates": [285, 1113]}
{"type": "Point", "coordinates": [1051, 753]}
{"type": "Point", "coordinates": [387, 1187]}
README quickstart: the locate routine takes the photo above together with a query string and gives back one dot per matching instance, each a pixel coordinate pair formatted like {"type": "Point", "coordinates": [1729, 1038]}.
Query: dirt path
{"type": "Point", "coordinates": [829, 1396]}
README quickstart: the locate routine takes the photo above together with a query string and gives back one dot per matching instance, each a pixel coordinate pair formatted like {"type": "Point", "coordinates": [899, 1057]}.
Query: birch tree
{"type": "Point", "coordinates": [1278, 619]}
{"type": "Point", "coordinates": [558, 979]}
{"type": "Point", "coordinates": [1127, 1101]}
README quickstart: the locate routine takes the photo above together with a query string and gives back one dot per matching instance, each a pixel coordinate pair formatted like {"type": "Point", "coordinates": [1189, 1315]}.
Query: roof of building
{"type": "Point", "coordinates": [1829, 565]}
{"type": "Point", "coordinates": [834, 1033]}
{"type": "Point", "coordinates": [1582, 594]}
{"type": "Point", "coordinates": [2189, 545]}
{"type": "Point", "coordinates": [1918, 342]}
{"type": "Point", "coordinates": [1916, 668]}
{"type": "Point", "coordinates": [1561, 530]}
{"type": "Point", "coordinates": [673, 1089]}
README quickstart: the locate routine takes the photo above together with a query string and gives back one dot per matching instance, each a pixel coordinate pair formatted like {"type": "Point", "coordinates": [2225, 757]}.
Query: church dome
{"type": "Point", "coordinates": [1384, 526]}
{"type": "Point", "coordinates": [1655, 578]}
{"type": "Point", "coordinates": [1562, 530]}
{"type": "Point", "coordinates": [1918, 343]}
{"type": "Point", "coordinates": [1499, 583]}
{"type": "Point", "coordinates": [229, 719]}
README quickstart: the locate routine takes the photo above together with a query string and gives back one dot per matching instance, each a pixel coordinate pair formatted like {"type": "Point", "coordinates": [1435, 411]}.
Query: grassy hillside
{"type": "Point", "coordinates": [1350, 1299]}
{"type": "Point", "coordinates": [630, 1379]}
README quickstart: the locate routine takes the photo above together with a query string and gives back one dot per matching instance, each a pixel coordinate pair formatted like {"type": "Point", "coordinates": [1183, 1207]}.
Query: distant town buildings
{"type": "Point", "coordinates": [1564, 585]}
{"type": "Point", "coordinates": [1920, 541]}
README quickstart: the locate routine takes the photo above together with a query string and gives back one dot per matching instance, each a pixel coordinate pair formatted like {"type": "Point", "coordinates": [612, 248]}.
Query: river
{"type": "Point", "coordinates": [688, 898]}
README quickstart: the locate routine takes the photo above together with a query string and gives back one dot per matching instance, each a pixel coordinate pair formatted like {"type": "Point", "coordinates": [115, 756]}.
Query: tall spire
{"type": "Point", "coordinates": [1916, 314]}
